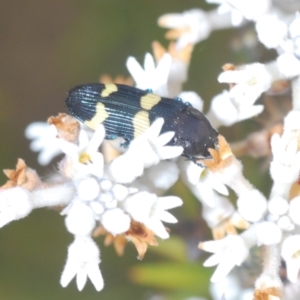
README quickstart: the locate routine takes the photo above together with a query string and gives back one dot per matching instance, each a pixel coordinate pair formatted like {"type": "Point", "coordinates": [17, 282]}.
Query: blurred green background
{"type": "Point", "coordinates": [48, 47]}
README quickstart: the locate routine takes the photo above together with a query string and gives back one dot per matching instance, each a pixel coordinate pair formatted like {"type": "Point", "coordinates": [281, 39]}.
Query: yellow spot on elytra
{"type": "Point", "coordinates": [84, 158]}
{"type": "Point", "coordinates": [100, 116]}
{"type": "Point", "coordinates": [141, 123]}
{"type": "Point", "coordinates": [109, 88]}
{"type": "Point", "coordinates": [149, 100]}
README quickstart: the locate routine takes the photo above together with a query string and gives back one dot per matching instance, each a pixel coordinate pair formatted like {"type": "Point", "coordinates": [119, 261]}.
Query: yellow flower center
{"type": "Point", "coordinates": [296, 254]}
{"type": "Point", "coordinates": [204, 174]}
{"type": "Point", "coordinates": [84, 158]}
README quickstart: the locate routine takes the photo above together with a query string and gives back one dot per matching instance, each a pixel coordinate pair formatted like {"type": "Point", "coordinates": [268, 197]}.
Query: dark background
{"type": "Point", "coordinates": [46, 48]}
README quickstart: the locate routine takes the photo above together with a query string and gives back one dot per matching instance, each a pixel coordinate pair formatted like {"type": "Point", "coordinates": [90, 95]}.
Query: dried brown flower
{"type": "Point", "coordinates": [119, 241]}
{"type": "Point", "coordinates": [105, 78]}
{"type": "Point", "coordinates": [221, 157]}
{"type": "Point", "coordinates": [21, 176]}
{"type": "Point", "coordinates": [228, 226]}
{"type": "Point", "coordinates": [138, 233]}
{"type": "Point", "coordinates": [183, 54]}
{"type": "Point", "coordinates": [141, 236]}
{"type": "Point", "coordinates": [67, 126]}
{"type": "Point", "coordinates": [271, 293]}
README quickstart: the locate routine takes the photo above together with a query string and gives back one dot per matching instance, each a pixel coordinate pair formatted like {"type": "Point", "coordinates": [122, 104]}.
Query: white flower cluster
{"type": "Point", "coordinates": [114, 194]}
{"type": "Point", "coordinates": [96, 193]}
{"type": "Point", "coordinates": [273, 223]}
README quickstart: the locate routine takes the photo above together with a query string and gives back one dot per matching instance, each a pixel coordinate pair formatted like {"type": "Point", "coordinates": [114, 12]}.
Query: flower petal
{"type": "Point", "coordinates": [81, 278]}
{"type": "Point", "coordinates": [96, 139]}
{"type": "Point", "coordinates": [95, 276]}
{"type": "Point", "coordinates": [168, 202]}
{"type": "Point", "coordinates": [68, 274]}
{"type": "Point", "coordinates": [157, 227]}
{"type": "Point", "coordinates": [149, 64]}
{"type": "Point", "coordinates": [166, 217]}
{"type": "Point", "coordinates": [222, 270]}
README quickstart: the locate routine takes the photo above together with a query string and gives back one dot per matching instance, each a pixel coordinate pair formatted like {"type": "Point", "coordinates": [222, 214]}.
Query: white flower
{"type": "Point", "coordinates": [80, 218]}
{"type": "Point", "coordinates": [44, 140]}
{"type": "Point", "coordinates": [252, 205]}
{"type": "Point", "coordinates": [97, 200]}
{"type": "Point", "coordinates": [251, 9]}
{"type": "Point", "coordinates": [295, 36]}
{"type": "Point", "coordinates": [178, 73]}
{"type": "Point", "coordinates": [285, 166]}
{"type": "Point", "coordinates": [288, 65]}
{"type": "Point", "coordinates": [286, 224]}
{"type": "Point", "coordinates": [278, 206]}
{"type": "Point", "coordinates": [226, 110]}
{"type": "Point", "coordinates": [268, 233]}
{"type": "Point", "coordinates": [150, 210]}
{"type": "Point", "coordinates": [88, 189]}
{"type": "Point", "coordinates": [15, 203]}
{"type": "Point", "coordinates": [97, 207]}
{"type": "Point", "coordinates": [231, 288]}
{"type": "Point", "coordinates": [115, 221]}
{"type": "Point", "coordinates": [191, 172]}
{"type": "Point", "coordinates": [202, 182]}
{"type": "Point", "coordinates": [193, 25]}
{"type": "Point", "coordinates": [294, 28]}
{"type": "Point", "coordinates": [85, 156]}
{"type": "Point", "coordinates": [82, 262]}
{"type": "Point", "coordinates": [158, 143]}
{"type": "Point", "coordinates": [159, 177]}
{"type": "Point", "coordinates": [224, 7]}
{"type": "Point", "coordinates": [192, 98]}
{"type": "Point", "coordinates": [120, 192]}
{"type": "Point", "coordinates": [294, 210]}
{"type": "Point", "coordinates": [271, 31]}
{"type": "Point", "coordinates": [151, 77]}
{"type": "Point", "coordinates": [164, 175]}
{"type": "Point", "coordinates": [143, 152]}
{"type": "Point", "coordinates": [228, 253]}
{"type": "Point", "coordinates": [250, 82]}
{"type": "Point", "coordinates": [291, 254]}
{"type": "Point", "coordinates": [110, 194]}
{"type": "Point", "coordinates": [127, 167]}
{"type": "Point", "coordinates": [222, 210]}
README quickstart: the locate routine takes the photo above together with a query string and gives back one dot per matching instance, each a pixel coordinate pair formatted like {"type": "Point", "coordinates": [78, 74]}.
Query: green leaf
{"type": "Point", "coordinates": [173, 248]}
{"type": "Point", "coordinates": [189, 277]}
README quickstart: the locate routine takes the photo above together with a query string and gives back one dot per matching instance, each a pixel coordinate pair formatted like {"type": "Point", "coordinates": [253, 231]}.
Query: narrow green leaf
{"type": "Point", "coordinates": [190, 277]}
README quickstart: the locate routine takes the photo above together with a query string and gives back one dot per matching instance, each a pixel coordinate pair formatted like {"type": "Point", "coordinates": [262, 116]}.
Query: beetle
{"type": "Point", "coordinates": [127, 112]}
